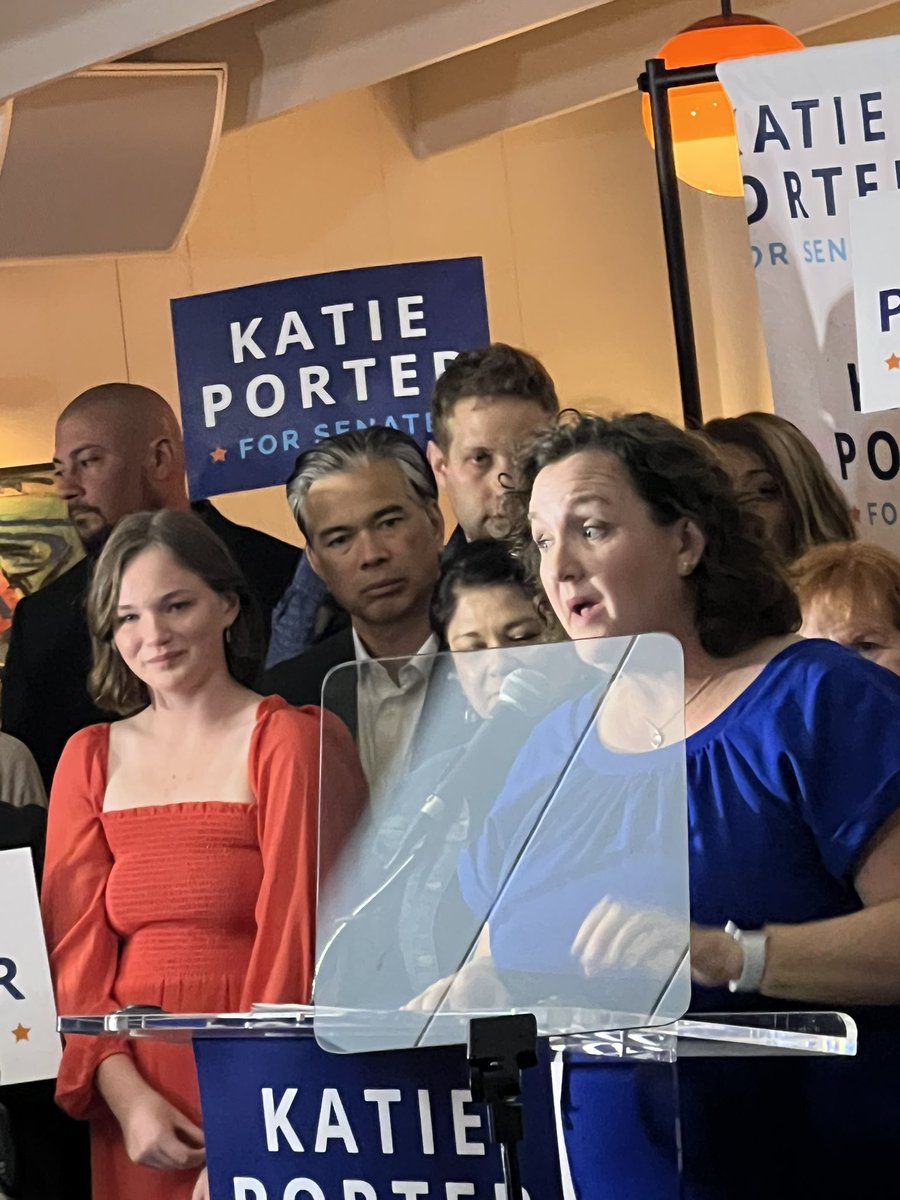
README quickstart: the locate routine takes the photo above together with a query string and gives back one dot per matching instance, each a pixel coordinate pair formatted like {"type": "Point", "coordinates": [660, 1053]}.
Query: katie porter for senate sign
{"type": "Point", "coordinates": [268, 370]}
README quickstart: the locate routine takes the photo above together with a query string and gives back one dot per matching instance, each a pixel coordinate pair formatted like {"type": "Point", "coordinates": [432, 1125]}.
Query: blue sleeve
{"type": "Point", "coordinates": [848, 764]}
{"type": "Point", "coordinates": [294, 617]}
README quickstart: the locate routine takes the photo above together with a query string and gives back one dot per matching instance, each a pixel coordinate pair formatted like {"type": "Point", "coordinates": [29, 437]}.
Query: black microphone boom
{"type": "Point", "coordinates": [469, 786]}
{"type": "Point", "coordinates": [476, 778]}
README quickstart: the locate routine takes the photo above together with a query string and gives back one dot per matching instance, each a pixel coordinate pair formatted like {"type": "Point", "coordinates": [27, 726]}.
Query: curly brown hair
{"type": "Point", "coordinates": [112, 686]}
{"type": "Point", "coordinates": [741, 595]}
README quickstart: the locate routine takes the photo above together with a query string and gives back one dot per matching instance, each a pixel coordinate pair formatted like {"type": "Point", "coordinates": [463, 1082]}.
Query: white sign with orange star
{"type": "Point", "coordinates": [875, 243]}
{"type": "Point", "coordinates": [819, 132]}
{"type": "Point", "coordinates": [29, 1043]}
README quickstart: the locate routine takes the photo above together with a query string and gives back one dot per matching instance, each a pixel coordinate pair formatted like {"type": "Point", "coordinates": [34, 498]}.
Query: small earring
{"type": "Point", "coordinates": [228, 636]}
{"type": "Point", "coordinates": [685, 568]}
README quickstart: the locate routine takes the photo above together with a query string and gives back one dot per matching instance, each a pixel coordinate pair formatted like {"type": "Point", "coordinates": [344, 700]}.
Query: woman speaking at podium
{"type": "Point", "coordinates": [793, 775]}
{"type": "Point", "coordinates": [181, 853]}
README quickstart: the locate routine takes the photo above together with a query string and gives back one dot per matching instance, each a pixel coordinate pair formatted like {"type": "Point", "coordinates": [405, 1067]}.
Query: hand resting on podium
{"type": "Point", "coordinates": [614, 939]}
{"type": "Point", "coordinates": [477, 987]}
{"type": "Point", "coordinates": [616, 936]}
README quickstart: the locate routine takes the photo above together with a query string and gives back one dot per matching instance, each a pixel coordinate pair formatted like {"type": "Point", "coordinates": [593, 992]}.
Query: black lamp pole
{"type": "Point", "coordinates": [656, 81]}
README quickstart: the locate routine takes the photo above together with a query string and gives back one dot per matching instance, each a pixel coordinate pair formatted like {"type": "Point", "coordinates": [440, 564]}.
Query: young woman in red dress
{"type": "Point", "coordinates": [182, 845]}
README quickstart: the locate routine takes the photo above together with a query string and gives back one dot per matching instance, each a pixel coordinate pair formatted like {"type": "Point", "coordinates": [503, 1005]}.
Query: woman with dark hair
{"type": "Point", "coordinates": [793, 781]}
{"type": "Point", "coordinates": [181, 852]}
{"type": "Point", "coordinates": [487, 600]}
{"type": "Point", "coordinates": [779, 476]}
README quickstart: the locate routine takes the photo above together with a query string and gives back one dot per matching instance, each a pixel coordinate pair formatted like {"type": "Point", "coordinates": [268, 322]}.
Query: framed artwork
{"type": "Point", "coordinates": [37, 540]}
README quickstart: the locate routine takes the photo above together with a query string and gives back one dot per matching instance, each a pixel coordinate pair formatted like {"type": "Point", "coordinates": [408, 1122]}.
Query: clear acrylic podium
{"type": "Point", "coordinates": [525, 852]}
{"type": "Point", "coordinates": [707, 1035]}
{"type": "Point", "coordinates": [240, 1056]}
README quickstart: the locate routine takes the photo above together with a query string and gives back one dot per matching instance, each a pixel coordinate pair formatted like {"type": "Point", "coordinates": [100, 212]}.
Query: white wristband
{"type": "Point", "coordinates": [753, 946]}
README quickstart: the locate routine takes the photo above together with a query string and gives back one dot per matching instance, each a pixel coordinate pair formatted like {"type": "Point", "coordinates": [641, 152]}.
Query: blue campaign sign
{"type": "Point", "coordinates": [284, 1120]}
{"type": "Point", "coordinates": [267, 371]}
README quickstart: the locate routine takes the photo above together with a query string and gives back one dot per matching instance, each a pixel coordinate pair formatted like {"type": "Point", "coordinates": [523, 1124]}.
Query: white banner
{"type": "Point", "coordinates": [29, 1043]}
{"type": "Point", "coordinates": [819, 129]}
{"type": "Point", "coordinates": [875, 248]}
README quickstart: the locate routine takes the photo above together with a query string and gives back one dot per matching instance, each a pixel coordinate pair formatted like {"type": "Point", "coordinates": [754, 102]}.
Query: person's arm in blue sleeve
{"type": "Point", "coordinates": [848, 773]}
{"type": "Point", "coordinates": [295, 616]}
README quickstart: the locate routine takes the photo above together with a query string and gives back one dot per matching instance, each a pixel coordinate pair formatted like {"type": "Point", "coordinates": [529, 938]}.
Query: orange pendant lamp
{"type": "Point", "coordinates": [703, 131]}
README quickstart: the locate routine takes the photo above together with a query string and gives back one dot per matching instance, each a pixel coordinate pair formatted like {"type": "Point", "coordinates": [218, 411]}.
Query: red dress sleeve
{"type": "Point", "coordinates": [83, 947]}
{"type": "Point", "coordinates": [284, 776]}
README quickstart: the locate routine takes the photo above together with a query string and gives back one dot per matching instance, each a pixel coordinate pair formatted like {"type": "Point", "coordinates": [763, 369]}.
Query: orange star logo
{"type": "Point", "coordinates": [893, 363]}
{"type": "Point", "coordinates": [856, 515]}
{"type": "Point", "coordinates": [20, 1033]}
{"type": "Point", "coordinates": [218, 455]}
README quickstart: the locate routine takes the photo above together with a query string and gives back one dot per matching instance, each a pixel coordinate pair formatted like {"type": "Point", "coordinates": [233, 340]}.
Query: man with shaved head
{"type": "Point", "coordinates": [118, 451]}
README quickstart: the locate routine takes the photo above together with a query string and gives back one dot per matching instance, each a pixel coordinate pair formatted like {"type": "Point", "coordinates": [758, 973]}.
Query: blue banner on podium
{"type": "Point", "coordinates": [284, 1120]}
{"type": "Point", "coordinates": [269, 370]}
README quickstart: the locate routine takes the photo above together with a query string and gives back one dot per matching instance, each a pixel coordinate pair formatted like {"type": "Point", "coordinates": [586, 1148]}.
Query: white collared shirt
{"type": "Point", "coordinates": [388, 713]}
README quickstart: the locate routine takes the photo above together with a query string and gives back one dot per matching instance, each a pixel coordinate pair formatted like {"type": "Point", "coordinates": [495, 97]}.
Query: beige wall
{"type": "Point", "coordinates": [564, 213]}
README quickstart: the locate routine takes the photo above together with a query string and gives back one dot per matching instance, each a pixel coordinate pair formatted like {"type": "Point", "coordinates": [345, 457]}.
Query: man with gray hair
{"type": "Point", "coordinates": [366, 503]}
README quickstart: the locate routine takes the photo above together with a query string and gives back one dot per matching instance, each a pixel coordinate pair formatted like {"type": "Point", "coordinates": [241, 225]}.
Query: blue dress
{"type": "Point", "coordinates": [785, 790]}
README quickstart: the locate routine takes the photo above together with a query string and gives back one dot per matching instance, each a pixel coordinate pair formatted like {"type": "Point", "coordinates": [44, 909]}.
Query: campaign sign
{"type": "Point", "coordinates": [876, 293]}
{"type": "Point", "coordinates": [285, 1120]}
{"type": "Point", "coordinates": [29, 1044]}
{"type": "Point", "coordinates": [267, 371]}
{"type": "Point", "coordinates": [819, 132]}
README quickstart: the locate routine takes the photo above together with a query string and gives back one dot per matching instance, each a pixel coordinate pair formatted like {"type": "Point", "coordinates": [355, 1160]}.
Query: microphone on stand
{"type": "Point", "coordinates": [474, 778]}
{"type": "Point", "coordinates": [525, 696]}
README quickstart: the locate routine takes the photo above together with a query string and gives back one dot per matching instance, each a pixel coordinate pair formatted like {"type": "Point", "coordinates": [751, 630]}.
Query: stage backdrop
{"type": "Point", "coordinates": [819, 131]}
{"type": "Point", "coordinates": [268, 370]}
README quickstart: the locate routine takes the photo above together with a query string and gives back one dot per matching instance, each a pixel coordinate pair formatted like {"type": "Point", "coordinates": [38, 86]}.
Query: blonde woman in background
{"type": "Point", "coordinates": [780, 477]}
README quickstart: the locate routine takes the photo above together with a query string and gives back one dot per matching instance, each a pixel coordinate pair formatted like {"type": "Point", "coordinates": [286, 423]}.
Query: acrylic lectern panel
{"type": "Point", "coordinates": [710, 1035]}
{"type": "Point", "coordinates": [526, 846]}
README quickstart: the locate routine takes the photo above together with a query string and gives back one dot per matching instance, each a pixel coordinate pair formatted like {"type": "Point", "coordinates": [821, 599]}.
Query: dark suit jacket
{"type": "Point", "coordinates": [44, 698]}
{"type": "Point", "coordinates": [268, 563]}
{"type": "Point", "coordinates": [24, 827]}
{"type": "Point", "coordinates": [299, 681]}
{"type": "Point", "coordinates": [455, 543]}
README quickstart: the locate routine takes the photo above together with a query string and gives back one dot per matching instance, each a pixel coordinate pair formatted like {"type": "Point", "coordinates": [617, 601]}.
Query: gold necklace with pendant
{"type": "Point", "coordinates": [657, 736]}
